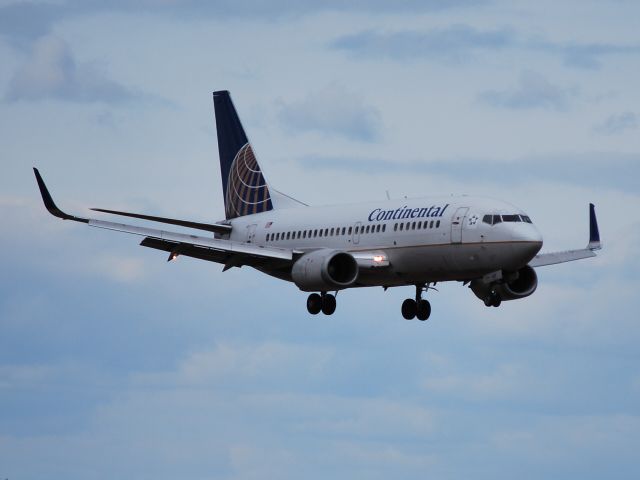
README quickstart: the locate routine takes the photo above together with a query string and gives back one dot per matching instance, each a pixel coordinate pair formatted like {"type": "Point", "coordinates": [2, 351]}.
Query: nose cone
{"type": "Point", "coordinates": [527, 241]}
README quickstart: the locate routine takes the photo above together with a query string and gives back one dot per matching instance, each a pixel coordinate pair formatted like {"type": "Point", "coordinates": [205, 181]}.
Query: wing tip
{"type": "Point", "coordinates": [49, 204]}
{"type": "Point", "coordinates": [594, 231]}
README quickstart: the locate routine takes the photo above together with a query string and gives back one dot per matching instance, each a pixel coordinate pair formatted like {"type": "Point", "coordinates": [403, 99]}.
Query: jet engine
{"type": "Point", "coordinates": [324, 270]}
{"type": "Point", "coordinates": [520, 284]}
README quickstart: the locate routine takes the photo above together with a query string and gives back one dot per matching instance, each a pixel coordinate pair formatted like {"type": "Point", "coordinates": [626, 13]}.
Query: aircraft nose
{"type": "Point", "coordinates": [529, 240]}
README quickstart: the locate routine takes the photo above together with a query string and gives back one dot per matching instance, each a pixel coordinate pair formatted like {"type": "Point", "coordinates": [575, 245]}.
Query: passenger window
{"type": "Point", "coordinates": [431, 225]}
{"type": "Point", "coordinates": [384, 227]}
{"type": "Point", "coordinates": [413, 227]}
{"type": "Point", "coordinates": [419, 225]}
{"type": "Point", "coordinates": [315, 233]}
{"type": "Point", "coordinates": [438, 224]}
{"type": "Point", "coordinates": [331, 233]}
{"type": "Point", "coordinates": [350, 230]}
{"type": "Point", "coordinates": [395, 227]}
{"type": "Point", "coordinates": [343, 230]}
{"type": "Point", "coordinates": [401, 226]}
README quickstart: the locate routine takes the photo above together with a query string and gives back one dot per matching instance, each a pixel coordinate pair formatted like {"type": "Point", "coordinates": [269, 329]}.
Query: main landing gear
{"type": "Point", "coordinates": [418, 308]}
{"type": "Point", "coordinates": [325, 303]}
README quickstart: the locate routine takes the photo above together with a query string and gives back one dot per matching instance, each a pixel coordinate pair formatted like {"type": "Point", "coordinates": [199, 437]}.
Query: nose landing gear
{"type": "Point", "coordinates": [418, 308]}
{"type": "Point", "coordinates": [493, 299]}
{"type": "Point", "coordinates": [325, 303]}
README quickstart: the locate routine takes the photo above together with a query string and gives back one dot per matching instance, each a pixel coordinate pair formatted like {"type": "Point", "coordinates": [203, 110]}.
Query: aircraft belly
{"type": "Point", "coordinates": [441, 263]}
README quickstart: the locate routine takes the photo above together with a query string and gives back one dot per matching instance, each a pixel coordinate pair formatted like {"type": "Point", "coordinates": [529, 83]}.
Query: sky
{"type": "Point", "coordinates": [117, 364]}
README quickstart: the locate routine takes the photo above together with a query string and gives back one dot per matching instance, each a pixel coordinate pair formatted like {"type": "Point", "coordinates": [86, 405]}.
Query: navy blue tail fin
{"type": "Point", "coordinates": [243, 185]}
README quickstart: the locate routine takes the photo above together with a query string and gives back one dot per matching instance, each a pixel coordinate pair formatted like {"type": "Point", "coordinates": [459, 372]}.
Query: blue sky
{"type": "Point", "coordinates": [114, 363]}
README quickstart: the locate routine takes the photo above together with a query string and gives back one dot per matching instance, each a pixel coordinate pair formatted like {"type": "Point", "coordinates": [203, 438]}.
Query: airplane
{"type": "Point", "coordinates": [489, 245]}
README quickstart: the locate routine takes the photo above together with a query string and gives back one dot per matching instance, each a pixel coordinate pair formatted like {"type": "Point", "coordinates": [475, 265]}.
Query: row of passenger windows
{"type": "Point", "coordinates": [495, 219]}
{"type": "Point", "coordinates": [327, 232]}
{"type": "Point", "coordinates": [341, 231]}
{"type": "Point", "coordinates": [417, 225]}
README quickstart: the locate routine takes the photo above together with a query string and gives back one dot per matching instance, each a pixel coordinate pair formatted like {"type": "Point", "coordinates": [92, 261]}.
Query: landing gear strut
{"type": "Point", "coordinates": [418, 308]}
{"type": "Point", "coordinates": [325, 303]}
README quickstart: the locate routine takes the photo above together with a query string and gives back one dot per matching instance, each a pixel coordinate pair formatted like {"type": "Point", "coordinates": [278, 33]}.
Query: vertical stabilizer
{"type": "Point", "coordinates": [244, 187]}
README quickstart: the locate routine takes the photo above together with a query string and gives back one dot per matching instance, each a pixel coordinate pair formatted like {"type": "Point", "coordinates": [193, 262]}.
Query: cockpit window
{"type": "Point", "coordinates": [492, 219]}
{"type": "Point", "coordinates": [495, 219]}
{"type": "Point", "coordinates": [511, 218]}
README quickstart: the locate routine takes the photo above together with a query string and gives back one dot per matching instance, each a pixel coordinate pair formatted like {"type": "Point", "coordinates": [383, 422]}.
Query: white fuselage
{"type": "Point", "coordinates": [422, 240]}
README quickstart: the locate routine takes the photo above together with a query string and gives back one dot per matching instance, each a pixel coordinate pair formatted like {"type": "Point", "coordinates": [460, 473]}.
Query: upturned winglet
{"type": "Point", "coordinates": [594, 232]}
{"type": "Point", "coordinates": [50, 204]}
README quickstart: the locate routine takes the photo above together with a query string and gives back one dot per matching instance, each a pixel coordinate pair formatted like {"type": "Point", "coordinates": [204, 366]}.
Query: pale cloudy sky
{"type": "Point", "coordinates": [115, 364]}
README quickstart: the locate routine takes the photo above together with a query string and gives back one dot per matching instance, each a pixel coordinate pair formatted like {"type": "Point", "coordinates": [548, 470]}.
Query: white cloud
{"type": "Point", "coordinates": [533, 91]}
{"type": "Point", "coordinates": [333, 110]}
{"type": "Point", "coordinates": [52, 72]}
{"type": "Point", "coordinates": [252, 361]}
{"type": "Point", "coordinates": [121, 269]}
{"type": "Point", "coordinates": [618, 123]}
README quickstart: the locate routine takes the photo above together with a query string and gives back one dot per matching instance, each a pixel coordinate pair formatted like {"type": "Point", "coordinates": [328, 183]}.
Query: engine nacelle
{"type": "Point", "coordinates": [523, 284]}
{"type": "Point", "coordinates": [324, 270]}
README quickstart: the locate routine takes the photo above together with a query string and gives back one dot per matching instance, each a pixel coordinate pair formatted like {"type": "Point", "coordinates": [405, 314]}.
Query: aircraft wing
{"type": "Point", "coordinates": [553, 258]}
{"type": "Point", "coordinates": [232, 254]}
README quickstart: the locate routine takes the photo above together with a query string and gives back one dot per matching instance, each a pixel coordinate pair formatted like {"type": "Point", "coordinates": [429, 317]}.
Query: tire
{"type": "Point", "coordinates": [423, 310]}
{"type": "Point", "coordinates": [409, 308]}
{"type": "Point", "coordinates": [328, 304]}
{"type": "Point", "coordinates": [496, 300]}
{"type": "Point", "coordinates": [314, 304]}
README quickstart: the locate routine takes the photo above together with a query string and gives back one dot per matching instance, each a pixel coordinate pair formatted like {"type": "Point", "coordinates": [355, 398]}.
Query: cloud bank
{"type": "Point", "coordinates": [51, 72]}
{"type": "Point", "coordinates": [332, 111]}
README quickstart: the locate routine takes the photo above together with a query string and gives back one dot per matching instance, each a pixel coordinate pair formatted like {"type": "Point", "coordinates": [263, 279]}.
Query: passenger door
{"type": "Point", "coordinates": [356, 233]}
{"type": "Point", "coordinates": [456, 224]}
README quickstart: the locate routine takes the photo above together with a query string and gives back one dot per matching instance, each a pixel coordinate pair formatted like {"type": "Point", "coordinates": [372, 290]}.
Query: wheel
{"type": "Point", "coordinates": [409, 308]}
{"type": "Point", "coordinates": [489, 299]}
{"type": "Point", "coordinates": [493, 300]}
{"type": "Point", "coordinates": [423, 310]}
{"type": "Point", "coordinates": [496, 300]}
{"type": "Point", "coordinates": [314, 304]}
{"type": "Point", "coordinates": [328, 304]}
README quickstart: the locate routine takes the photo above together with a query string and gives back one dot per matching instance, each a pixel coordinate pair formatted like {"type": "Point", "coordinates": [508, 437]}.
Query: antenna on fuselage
{"type": "Point", "coordinates": [388, 196]}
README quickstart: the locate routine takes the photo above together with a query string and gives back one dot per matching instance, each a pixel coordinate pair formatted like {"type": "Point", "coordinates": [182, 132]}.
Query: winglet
{"type": "Point", "coordinates": [594, 232]}
{"type": "Point", "coordinates": [49, 203]}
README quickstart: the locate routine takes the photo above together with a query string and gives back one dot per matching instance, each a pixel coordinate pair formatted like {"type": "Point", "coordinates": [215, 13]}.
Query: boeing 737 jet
{"type": "Point", "coordinates": [488, 245]}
